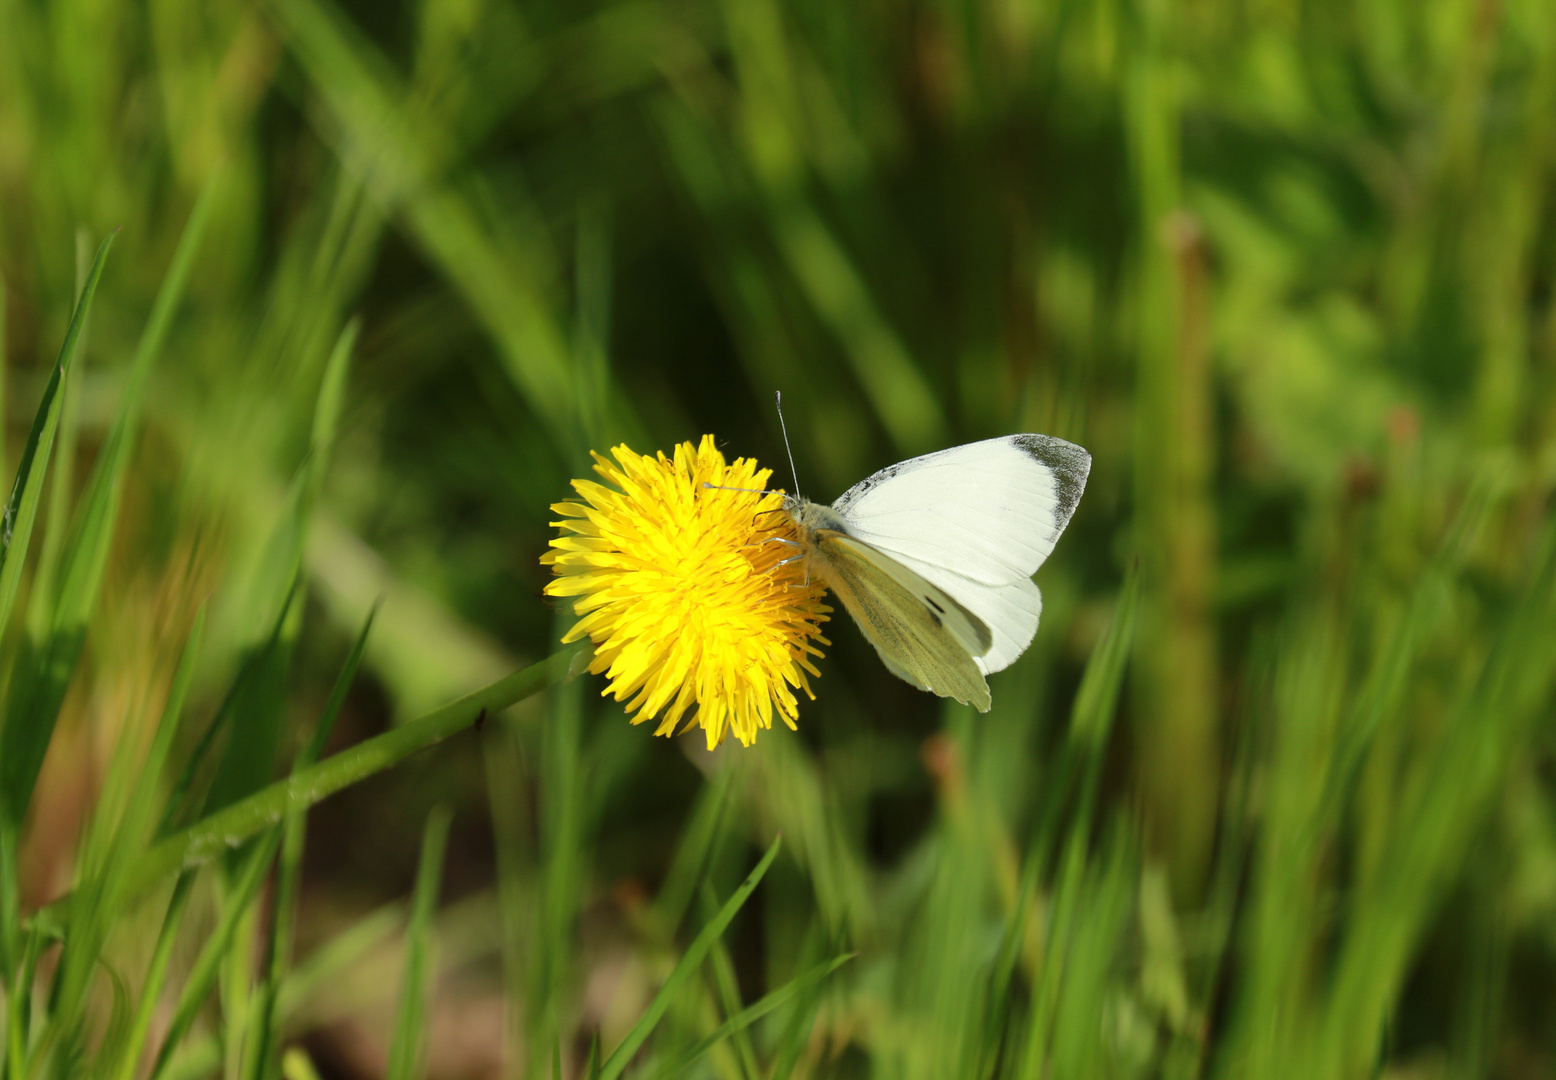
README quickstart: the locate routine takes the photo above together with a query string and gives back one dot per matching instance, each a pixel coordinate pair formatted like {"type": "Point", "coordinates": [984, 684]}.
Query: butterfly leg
{"type": "Point", "coordinates": [794, 559]}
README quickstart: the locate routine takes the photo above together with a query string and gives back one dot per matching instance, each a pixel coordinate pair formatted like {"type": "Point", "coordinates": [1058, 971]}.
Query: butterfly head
{"type": "Point", "coordinates": [809, 516]}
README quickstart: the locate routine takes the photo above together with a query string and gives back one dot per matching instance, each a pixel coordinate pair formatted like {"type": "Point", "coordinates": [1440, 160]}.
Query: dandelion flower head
{"type": "Point", "coordinates": [681, 588]}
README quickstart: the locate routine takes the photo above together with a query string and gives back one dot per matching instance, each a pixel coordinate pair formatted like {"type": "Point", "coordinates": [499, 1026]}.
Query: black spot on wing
{"type": "Point", "coordinates": [1069, 464]}
{"type": "Point", "coordinates": [931, 602]}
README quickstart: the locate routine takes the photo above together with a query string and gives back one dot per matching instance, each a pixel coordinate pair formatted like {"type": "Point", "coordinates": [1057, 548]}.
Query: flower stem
{"type": "Point", "coordinates": [230, 826]}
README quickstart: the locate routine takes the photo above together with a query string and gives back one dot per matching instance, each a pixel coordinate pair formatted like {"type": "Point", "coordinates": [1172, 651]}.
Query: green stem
{"type": "Point", "coordinates": [232, 825]}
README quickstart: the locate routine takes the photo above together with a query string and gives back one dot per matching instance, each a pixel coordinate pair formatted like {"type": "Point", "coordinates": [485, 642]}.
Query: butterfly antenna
{"type": "Point", "coordinates": [778, 401]}
{"type": "Point", "coordinates": [749, 491]}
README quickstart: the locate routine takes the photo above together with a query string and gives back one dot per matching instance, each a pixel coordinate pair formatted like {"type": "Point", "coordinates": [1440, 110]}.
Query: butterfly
{"type": "Point", "coordinates": [934, 556]}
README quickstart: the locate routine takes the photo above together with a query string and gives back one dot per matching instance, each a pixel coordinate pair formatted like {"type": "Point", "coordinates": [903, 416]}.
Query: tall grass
{"type": "Point", "coordinates": [1270, 795]}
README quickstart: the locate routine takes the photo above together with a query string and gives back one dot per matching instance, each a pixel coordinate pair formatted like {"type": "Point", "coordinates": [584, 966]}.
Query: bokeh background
{"type": "Point", "coordinates": [1271, 795]}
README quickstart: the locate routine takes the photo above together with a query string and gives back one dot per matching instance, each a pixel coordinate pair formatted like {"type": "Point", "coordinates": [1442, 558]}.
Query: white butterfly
{"type": "Point", "coordinates": [934, 557]}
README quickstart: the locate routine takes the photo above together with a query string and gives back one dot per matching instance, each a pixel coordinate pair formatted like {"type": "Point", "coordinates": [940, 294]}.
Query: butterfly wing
{"type": "Point", "coordinates": [923, 635]}
{"type": "Point", "coordinates": [976, 521]}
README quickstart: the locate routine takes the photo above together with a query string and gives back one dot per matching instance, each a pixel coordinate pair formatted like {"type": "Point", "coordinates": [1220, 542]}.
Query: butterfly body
{"type": "Point", "coordinates": [933, 557]}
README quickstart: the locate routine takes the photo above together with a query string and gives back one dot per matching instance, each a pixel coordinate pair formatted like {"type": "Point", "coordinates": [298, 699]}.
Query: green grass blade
{"type": "Point", "coordinates": [689, 962]}
{"type": "Point", "coordinates": [120, 1013]}
{"type": "Point", "coordinates": [796, 1033]}
{"type": "Point", "coordinates": [327, 408]}
{"type": "Point", "coordinates": [191, 791]}
{"type": "Point", "coordinates": [85, 555]}
{"type": "Point", "coordinates": [117, 836]}
{"type": "Point", "coordinates": [19, 1005]}
{"type": "Point", "coordinates": [256, 709]}
{"type": "Point", "coordinates": [10, 904]}
{"type": "Point", "coordinates": [2, 364]}
{"type": "Point", "coordinates": [408, 1051]}
{"type": "Point", "coordinates": [358, 89]}
{"type": "Point", "coordinates": [156, 976]}
{"type": "Point", "coordinates": [560, 818]}
{"type": "Point", "coordinates": [233, 825]}
{"type": "Point", "coordinates": [254, 735]}
{"type": "Point", "coordinates": [122, 823]}
{"type": "Point", "coordinates": [728, 990]}
{"type": "Point", "coordinates": [1096, 702]}
{"type": "Point", "coordinates": [1018, 929]}
{"type": "Point", "coordinates": [202, 977]}
{"type": "Point", "coordinates": [61, 477]}
{"type": "Point", "coordinates": [315, 971]}
{"type": "Point", "coordinates": [22, 746]}
{"type": "Point", "coordinates": [284, 904]}
{"type": "Point", "coordinates": [699, 838]}
{"type": "Point", "coordinates": [743, 1019]}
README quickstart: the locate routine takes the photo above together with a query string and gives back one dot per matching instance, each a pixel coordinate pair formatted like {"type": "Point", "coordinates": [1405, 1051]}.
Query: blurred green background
{"type": "Point", "coordinates": [1271, 795]}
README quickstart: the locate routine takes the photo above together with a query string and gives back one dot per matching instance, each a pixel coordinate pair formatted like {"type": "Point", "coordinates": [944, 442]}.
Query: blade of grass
{"type": "Point", "coordinates": [61, 478]}
{"type": "Point", "coordinates": [229, 827]}
{"type": "Point", "coordinates": [254, 736]}
{"type": "Point", "coordinates": [117, 836]}
{"type": "Point", "coordinates": [743, 1019]}
{"type": "Point", "coordinates": [408, 1051]}
{"type": "Point", "coordinates": [1019, 929]}
{"type": "Point", "coordinates": [232, 826]}
{"type": "Point", "coordinates": [156, 976]}
{"type": "Point", "coordinates": [297, 1065]}
{"type": "Point", "coordinates": [283, 906]}
{"type": "Point", "coordinates": [728, 990]}
{"type": "Point", "coordinates": [191, 791]}
{"type": "Point", "coordinates": [120, 1012]}
{"type": "Point", "coordinates": [86, 551]}
{"type": "Point", "coordinates": [354, 82]}
{"type": "Point", "coordinates": [202, 977]}
{"type": "Point", "coordinates": [796, 1033]}
{"type": "Point", "coordinates": [1088, 958]}
{"type": "Point", "coordinates": [1091, 722]}
{"type": "Point", "coordinates": [38, 690]}
{"type": "Point", "coordinates": [314, 972]}
{"type": "Point", "coordinates": [1096, 702]}
{"type": "Point", "coordinates": [10, 904]}
{"type": "Point", "coordinates": [699, 838]}
{"type": "Point", "coordinates": [509, 803]}
{"type": "Point", "coordinates": [22, 746]}
{"type": "Point", "coordinates": [2, 366]}
{"type": "Point", "coordinates": [19, 1005]}
{"type": "Point", "coordinates": [560, 817]}
{"type": "Point", "coordinates": [689, 962]}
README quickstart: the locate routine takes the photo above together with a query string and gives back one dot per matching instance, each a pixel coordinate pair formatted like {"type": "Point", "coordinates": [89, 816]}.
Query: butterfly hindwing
{"type": "Point", "coordinates": [1010, 611]}
{"type": "Point", "coordinates": [909, 620]}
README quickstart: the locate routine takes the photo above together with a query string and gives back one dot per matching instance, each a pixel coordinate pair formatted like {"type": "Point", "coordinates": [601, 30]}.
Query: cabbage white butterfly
{"type": "Point", "coordinates": [934, 556]}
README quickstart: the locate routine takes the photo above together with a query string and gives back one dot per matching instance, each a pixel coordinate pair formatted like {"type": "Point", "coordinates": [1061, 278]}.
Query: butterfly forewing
{"type": "Point", "coordinates": [898, 613]}
{"type": "Point", "coordinates": [989, 511]}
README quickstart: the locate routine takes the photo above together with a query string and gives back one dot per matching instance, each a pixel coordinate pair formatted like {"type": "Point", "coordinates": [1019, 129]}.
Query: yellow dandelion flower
{"type": "Point", "coordinates": [681, 591]}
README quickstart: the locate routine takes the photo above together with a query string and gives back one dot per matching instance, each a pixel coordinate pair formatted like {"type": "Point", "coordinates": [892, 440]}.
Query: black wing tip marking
{"type": "Point", "coordinates": [862, 488]}
{"type": "Point", "coordinates": [1069, 463]}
